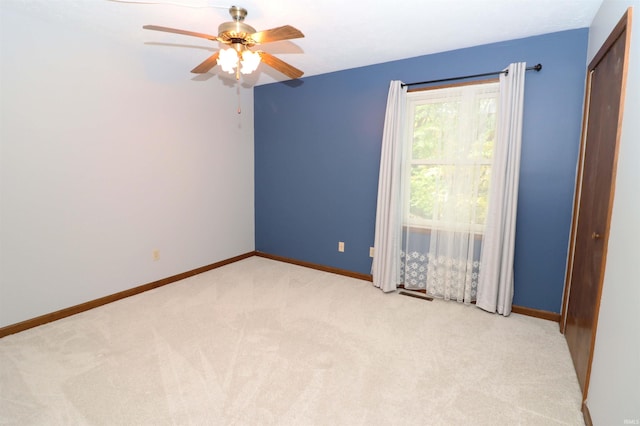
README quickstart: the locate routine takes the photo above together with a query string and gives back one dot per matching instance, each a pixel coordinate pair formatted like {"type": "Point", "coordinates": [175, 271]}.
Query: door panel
{"type": "Point", "coordinates": [591, 220]}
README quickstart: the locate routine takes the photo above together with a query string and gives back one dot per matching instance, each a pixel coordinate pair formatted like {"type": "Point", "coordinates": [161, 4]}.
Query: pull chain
{"type": "Point", "coordinates": [238, 86]}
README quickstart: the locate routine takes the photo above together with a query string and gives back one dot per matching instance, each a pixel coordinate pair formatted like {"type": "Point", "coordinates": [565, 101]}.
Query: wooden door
{"type": "Point", "coordinates": [594, 197]}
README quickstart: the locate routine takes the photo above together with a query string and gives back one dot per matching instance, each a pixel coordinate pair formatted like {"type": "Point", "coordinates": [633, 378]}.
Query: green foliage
{"type": "Point", "coordinates": [451, 159]}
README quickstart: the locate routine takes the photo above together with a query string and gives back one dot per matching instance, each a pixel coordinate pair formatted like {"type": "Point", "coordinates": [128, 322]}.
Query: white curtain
{"type": "Point", "coordinates": [449, 168]}
{"type": "Point", "coordinates": [495, 286]}
{"type": "Point", "coordinates": [386, 260]}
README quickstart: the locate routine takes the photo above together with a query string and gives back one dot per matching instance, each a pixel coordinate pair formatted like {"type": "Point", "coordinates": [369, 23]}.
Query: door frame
{"type": "Point", "coordinates": [622, 27]}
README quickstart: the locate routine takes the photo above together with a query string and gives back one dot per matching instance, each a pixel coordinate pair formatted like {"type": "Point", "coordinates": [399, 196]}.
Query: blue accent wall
{"type": "Point", "coordinates": [317, 155]}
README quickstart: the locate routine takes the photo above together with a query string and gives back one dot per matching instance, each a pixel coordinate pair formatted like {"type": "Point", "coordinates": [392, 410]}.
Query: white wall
{"type": "Point", "coordinates": [614, 394]}
{"type": "Point", "coordinates": [109, 149]}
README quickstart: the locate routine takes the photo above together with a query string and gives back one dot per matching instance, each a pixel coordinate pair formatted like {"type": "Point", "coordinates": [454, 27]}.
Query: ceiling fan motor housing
{"type": "Point", "coordinates": [236, 31]}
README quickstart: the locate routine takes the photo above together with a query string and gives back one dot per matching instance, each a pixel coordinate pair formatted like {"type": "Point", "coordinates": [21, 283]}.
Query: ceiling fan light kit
{"type": "Point", "coordinates": [250, 61]}
{"type": "Point", "coordinates": [240, 37]}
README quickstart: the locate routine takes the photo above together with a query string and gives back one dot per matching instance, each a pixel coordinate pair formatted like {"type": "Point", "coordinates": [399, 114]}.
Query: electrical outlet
{"type": "Point", "coordinates": [371, 250]}
{"type": "Point", "coordinates": [156, 254]}
{"type": "Point", "coordinates": [341, 246]}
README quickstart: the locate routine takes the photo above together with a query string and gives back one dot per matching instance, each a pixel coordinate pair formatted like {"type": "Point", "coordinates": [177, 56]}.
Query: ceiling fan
{"type": "Point", "coordinates": [240, 37]}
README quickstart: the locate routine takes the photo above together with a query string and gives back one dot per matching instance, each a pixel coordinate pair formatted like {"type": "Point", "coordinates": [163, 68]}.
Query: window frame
{"type": "Point", "coordinates": [416, 97]}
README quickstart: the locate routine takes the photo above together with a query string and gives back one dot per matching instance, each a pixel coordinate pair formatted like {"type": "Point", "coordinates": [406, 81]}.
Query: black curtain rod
{"type": "Point", "coordinates": [537, 67]}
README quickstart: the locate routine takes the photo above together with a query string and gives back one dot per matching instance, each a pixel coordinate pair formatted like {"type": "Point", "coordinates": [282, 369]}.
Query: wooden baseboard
{"type": "Point", "coordinates": [537, 313]}
{"type": "Point", "coordinates": [365, 277]}
{"type": "Point", "coordinates": [523, 310]}
{"type": "Point", "coordinates": [67, 312]}
{"type": "Point", "coordinates": [586, 415]}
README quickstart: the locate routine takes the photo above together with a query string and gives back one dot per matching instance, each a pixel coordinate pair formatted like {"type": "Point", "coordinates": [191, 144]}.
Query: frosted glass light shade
{"type": "Point", "coordinates": [228, 60]}
{"type": "Point", "coordinates": [250, 62]}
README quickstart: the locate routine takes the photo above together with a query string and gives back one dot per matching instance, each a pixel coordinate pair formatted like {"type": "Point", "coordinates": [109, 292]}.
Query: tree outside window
{"type": "Point", "coordinates": [448, 164]}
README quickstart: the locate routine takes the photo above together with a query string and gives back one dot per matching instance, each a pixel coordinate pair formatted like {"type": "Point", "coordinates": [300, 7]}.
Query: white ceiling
{"type": "Point", "coordinates": [338, 34]}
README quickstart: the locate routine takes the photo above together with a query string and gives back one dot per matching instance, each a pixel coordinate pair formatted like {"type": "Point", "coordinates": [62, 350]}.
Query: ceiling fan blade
{"type": "Point", "coordinates": [208, 63]}
{"type": "Point", "coordinates": [176, 31]}
{"type": "Point", "coordinates": [286, 32]}
{"type": "Point", "coordinates": [280, 65]}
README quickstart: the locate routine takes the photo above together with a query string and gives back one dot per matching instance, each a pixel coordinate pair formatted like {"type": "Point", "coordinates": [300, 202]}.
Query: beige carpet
{"type": "Point", "coordinates": [264, 342]}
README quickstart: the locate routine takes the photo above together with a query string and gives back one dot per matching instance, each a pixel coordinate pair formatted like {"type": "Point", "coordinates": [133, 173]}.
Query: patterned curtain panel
{"type": "Point", "coordinates": [448, 169]}
{"type": "Point", "coordinates": [449, 277]}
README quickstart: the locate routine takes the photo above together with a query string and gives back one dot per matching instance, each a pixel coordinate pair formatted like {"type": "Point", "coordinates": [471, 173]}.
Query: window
{"type": "Point", "coordinates": [448, 160]}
